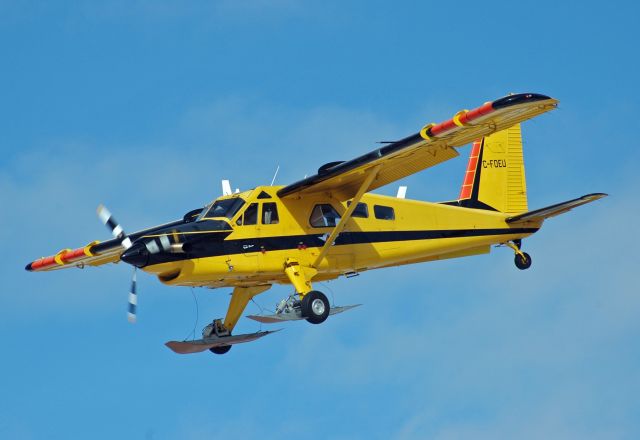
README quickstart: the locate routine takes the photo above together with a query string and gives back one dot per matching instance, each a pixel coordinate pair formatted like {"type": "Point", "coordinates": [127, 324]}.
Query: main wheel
{"type": "Point", "coordinates": [315, 307]}
{"type": "Point", "coordinates": [222, 349]}
{"type": "Point", "coordinates": [523, 261]}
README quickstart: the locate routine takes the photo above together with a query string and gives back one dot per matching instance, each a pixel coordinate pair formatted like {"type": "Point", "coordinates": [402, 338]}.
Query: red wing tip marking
{"type": "Point", "coordinates": [62, 258]}
{"type": "Point", "coordinates": [485, 109]}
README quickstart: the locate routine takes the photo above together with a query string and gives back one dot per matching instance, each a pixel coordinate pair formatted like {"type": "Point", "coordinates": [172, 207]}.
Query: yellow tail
{"type": "Point", "coordinates": [495, 174]}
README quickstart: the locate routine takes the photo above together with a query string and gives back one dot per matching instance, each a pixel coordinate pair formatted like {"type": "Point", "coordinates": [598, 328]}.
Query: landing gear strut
{"type": "Point", "coordinates": [522, 259]}
{"type": "Point", "coordinates": [314, 306]}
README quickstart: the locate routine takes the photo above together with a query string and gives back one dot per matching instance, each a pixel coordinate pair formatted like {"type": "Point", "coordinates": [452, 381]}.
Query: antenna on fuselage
{"type": "Point", "coordinates": [402, 192]}
{"type": "Point", "coordinates": [226, 188]}
{"type": "Point", "coordinates": [274, 176]}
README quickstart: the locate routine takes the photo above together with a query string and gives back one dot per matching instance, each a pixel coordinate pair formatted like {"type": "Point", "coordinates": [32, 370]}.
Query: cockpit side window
{"type": "Point", "coordinates": [324, 216]}
{"type": "Point", "coordinates": [250, 216]}
{"type": "Point", "coordinates": [269, 214]}
{"type": "Point", "coordinates": [223, 208]}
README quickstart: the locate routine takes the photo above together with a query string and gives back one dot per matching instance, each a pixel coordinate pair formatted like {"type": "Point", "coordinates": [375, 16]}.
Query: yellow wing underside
{"type": "Point", "coordinates": [415, 153]}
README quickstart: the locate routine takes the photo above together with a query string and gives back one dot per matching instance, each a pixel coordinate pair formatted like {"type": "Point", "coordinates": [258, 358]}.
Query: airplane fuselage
{"type": "Point", "coordinates": [385, 231]}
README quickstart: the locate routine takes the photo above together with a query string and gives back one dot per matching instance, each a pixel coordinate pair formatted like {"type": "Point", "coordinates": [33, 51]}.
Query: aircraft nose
{"type": "Point", "coordinates": [137, 255]}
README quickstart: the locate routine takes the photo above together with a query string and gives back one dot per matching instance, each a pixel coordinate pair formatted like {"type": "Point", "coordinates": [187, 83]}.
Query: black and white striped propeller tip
{"type": "Point", "coordinates": [133, 300]}
{"type": "Point", "coordinates": [116, 230]}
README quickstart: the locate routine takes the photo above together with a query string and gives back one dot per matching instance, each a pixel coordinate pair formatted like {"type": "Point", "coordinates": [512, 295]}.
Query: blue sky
{"type": "Point", "coordinates": [146, 105]}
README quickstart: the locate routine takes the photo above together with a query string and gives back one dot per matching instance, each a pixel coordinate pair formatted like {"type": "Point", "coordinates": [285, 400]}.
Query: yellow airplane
{"type": "Point", "coordinates": [329, 225]}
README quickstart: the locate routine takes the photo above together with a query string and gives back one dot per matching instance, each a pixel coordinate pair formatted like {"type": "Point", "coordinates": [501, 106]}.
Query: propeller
{"type": "Point", "coordinates": [118, 233]}
{"type": "Point", "coordinates": [116, 230]}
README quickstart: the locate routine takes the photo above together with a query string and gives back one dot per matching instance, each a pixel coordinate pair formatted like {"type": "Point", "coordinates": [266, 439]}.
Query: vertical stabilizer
{"type": "Point", "coordinates": [495, 177]}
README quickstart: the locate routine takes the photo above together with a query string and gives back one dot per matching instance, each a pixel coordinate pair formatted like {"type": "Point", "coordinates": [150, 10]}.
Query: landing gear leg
{"type": "Point", "coordinates": [314, 305]}
{"type": "Point", "coordinates": [522, 260]}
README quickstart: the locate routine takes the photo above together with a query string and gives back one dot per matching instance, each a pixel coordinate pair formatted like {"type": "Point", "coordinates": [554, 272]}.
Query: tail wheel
{"type": "Point", "coordinates": [222, 349]}
{"type": "Point", "coordinates": [523, 261]}
{"type": "Point", "coordinates": [315, 307]}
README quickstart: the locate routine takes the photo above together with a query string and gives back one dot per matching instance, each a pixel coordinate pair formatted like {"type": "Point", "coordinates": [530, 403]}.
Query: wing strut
{"type": "Point", "coordinates": [347, 215]}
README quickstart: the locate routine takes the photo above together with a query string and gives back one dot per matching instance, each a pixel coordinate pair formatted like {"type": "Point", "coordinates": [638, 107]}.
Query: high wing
{"type": "Point", "coordinates": [434, 144]}
{"type": "Point", "coordinates": [95, 253]}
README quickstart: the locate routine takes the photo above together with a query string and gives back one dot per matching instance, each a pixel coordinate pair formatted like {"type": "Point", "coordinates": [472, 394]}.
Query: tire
{"type": "Point", "coordinates": [222, 349]}
{"type": "Point", "coordinates": [523, 263]}
{"type": "Point", "coordinates": [315, 307]}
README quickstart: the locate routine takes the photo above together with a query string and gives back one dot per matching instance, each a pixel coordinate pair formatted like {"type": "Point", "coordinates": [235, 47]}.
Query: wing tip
{"type": "Point", "coordinates": [595, 196]}
{"type": "Point", "coordinates": [519, 98]}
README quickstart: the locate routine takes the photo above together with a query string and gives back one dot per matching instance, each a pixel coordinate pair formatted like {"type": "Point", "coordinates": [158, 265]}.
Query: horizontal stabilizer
{"type": "Point", "coordinates": [187, 347]}
{"type": "Point", "coordinates": [294, 315]}
{"type": "Point", "coordinates": [553, 210]}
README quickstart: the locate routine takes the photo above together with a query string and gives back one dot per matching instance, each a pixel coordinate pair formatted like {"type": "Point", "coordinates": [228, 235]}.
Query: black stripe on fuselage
{"type": "Point", "coordinates": [216, 246]}
{"type": "Point", "coordinates": [206, 227]}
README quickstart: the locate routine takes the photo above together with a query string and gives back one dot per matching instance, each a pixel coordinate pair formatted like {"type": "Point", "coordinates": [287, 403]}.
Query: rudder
{"type": "Point", "coordinates": [495, 177]}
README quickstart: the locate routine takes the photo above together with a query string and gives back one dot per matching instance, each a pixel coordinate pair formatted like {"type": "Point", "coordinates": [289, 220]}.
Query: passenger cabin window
{"type": "Point", "coordinates": [383, 212]}
{"type": "Point", "coordinates": [250, 216]}
{"type": "Point", "coordinates": [269, 214]}
{"type": "Point", "coordinates": [323, 216]}
{"type": "Point", "coordinates": [361, 210]}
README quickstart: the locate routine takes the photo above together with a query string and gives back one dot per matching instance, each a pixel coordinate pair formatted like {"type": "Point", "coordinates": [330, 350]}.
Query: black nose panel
{"type": "Point", "coordinates": [137, 255]}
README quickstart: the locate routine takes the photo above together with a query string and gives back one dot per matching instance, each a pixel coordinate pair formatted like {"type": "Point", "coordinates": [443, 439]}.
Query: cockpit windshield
{"type": "Point", "coordinates": [222, 208]}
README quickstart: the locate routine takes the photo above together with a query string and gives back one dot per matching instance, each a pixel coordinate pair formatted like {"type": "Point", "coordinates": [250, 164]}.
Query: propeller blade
{"type": "Point", "coordinates": [116, 230]}
{"type": "Point", "coordinates": [118, 233]}
{"type": "Point", "coordinates": [133, 299]}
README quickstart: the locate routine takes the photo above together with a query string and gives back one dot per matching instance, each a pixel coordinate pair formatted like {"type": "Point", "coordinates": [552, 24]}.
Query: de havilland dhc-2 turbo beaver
{"type": "Point", "coordinates": [330, 225]}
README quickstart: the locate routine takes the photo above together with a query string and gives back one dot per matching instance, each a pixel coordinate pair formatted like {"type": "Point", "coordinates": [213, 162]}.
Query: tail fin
{"type": "Point", "coordinates": [495, 177]}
